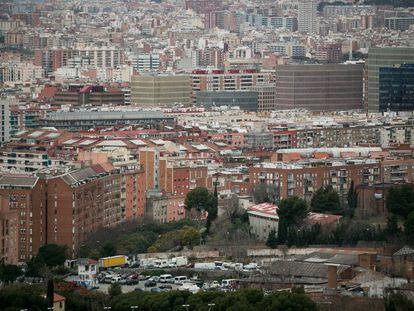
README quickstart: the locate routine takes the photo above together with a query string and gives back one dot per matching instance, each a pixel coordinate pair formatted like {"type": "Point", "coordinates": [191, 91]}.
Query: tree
{"type": "Point", "coordinates": [272, 239]}
{"type": "Point", "coordinates": [292, 210]}
{"type": "Point", "coordinates": [9, 273]}
{"type": "Point", "coordinates": [288, 301]}
{"type": "Point", "coordinates": [52, 254]}
{"type": "Point", "coordinates": [264, 193]}
{"type": "Point", "coordinates": [392, 228]}
{"type": "Point", "coordinates": [50, 293]}
{"type": "Point", "coordinates": [190, 236]}
{"type": "Point", "coordinates": [398, 302]}
{"type": "Point", "coordinates": [202, 200]}
{"type": "Point", "coordinates": [400, 200]}
{"type": "Point", "coordinates": [199, 199]}
{"type": "Point", "coordinates": [352, 199]}
{"type": "Point", "coordinates": [108, 250]}
{"type": "Point", "coordinates": [115, 290]}
{"type": "Point", "coordinates": [20, 297]}
{"type": "Point", "coordinates": [409, 226]}
{"type": "Point", "coordinates": [35, 266]}
{"type": "Point", "coordinates": [326, 200]}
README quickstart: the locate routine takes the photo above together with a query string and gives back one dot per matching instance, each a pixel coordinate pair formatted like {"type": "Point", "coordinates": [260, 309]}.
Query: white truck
{"type": "Point", "coordinates": [179, 261]}
{"type": "Point", "coordinates": [205, 265]}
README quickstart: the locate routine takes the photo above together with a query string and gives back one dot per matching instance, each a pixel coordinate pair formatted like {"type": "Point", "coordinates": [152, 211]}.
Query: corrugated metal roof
{"type": "Point", "coordinates": [18, 181]}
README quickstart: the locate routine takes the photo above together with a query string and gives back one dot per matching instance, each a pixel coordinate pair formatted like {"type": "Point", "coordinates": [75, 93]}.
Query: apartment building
{"type": "Point", "coordinates": [9, 232]}
{"type": "Point", "coordinates": [24, 215]}
{"type": "Point", "coordinates": [348, 136]}
{"type": "Point", "coordinates": [81, 202]}
{"type": "Point", "coordinates": [179, 176]}
{"type": "Point", "coordinates": [4, 121]}
{"type": "Point", "coordinates": [12, 73]}
{"type": "Point", "coordinates": [164, 208]}
{"type": "Point", "coordinates": [149, 160]}
{"type": "Point", "coordinates": [51, 59]}
{"type": "Point", "coordinates": [307, 16]}
{"type": "Point", "coordinates": [15, 161]}
{"type": "Point", "coordinates": [303, 178]}
{"type": "Point", "coordinates": [133, 194]}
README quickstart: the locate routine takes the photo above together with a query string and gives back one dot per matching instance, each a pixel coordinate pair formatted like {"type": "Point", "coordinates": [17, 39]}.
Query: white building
{"type": "Point", "coordinates": [307, 18]}
{"type": "Point", "coordinates": [87, 271]}
{"type": "Point", "coordinates": [147, 62]}
{"type": "Point", "coordinates": [263, 219]}
{"type": "Point", "coordinates": [5, 121]}
{"type": "Point", "coordinates": [13, 72]}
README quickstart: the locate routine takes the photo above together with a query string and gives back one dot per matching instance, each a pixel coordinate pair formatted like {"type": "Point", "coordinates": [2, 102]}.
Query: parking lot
{"type": "Point", "coordinates": [142, 285]}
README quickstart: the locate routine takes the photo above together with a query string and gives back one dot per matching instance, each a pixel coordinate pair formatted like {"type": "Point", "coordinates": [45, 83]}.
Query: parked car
{"type": "Point", "coordinates": [155, 278]}
{"type": "Point", "coordinates": [143, 277]}
{"type": "Point", "coordinates": [150, 283]}
{"type": "Point", "coordinates": [165, 286]}
{"type": "Point", "coordinates": [131, 281]}
{"type": "Point", "coordinates": [156, 290]}
{"type": "Point", "coordinates": [179, 280]}
{"type": "Point", "coordinates": [166, 278]}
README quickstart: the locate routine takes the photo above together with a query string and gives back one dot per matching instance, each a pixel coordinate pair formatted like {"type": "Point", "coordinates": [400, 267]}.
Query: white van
{"type": "Point", "coordinates": [160, 263]}
{"type": "Point", "coordinates": [166, 278]}
{"type": "Point", "coordinates": [179, 280]}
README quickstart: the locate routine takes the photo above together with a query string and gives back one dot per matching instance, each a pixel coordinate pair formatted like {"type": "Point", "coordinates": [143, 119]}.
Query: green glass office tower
{"type": "Point", "coordinates": [384, 57]}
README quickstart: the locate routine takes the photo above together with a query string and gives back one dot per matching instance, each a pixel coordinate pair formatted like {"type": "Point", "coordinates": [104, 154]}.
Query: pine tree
{"type": "Point", "coordinates": [272, 239]}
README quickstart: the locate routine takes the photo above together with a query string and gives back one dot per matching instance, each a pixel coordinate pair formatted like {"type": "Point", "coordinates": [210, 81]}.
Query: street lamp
{"type": "Point", "coordinates": [186, 307]}
{"type": "Point", "coordinates": [210, 306]}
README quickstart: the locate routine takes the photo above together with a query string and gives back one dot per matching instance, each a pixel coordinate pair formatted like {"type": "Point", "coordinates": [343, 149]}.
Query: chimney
{"type": "Point", "coordinates": [332, 276]}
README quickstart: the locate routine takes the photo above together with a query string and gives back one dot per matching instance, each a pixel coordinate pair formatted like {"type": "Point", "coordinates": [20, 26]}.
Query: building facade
{"type": "Point", "coordinates": [379, 57]}
{"type": "Point", "coordinates": [319, 87]}
{"type": "Point", "coordinates": [396, 88]}
{"type": "Point", "coordinates": [24, 220]}
{"type": "Point", "coordinates": [81, 202]}
{"type": "Point", "coordinates": [156, 90]}
{"type": "Point", "coordinates": [4, 121]}
{"type": "Point", "coordinates": [245, 100]}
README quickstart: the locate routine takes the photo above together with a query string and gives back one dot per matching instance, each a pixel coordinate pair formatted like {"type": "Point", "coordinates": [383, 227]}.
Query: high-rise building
{"type": "Point", "coordinates": [396, 88]}
{"type": "Point", "coordinates": [154, 90]}
{"type": "Point", "coordinates": [5, 121]}
{"type": "Point", "coordinates": [307, 18]}
{"type": "Point", "coordinates": [319, 87]}
{"type": "Point", "coordinates": [379, 57]}
{"type": "Point", "coordinates": [81, 202]}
